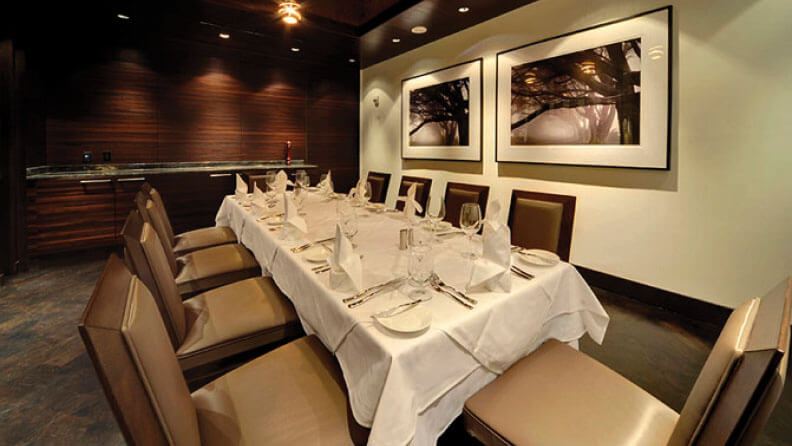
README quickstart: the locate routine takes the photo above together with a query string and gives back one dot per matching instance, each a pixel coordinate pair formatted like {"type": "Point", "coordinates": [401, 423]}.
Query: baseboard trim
{"type": "Point", "coordinates": [698, 310]}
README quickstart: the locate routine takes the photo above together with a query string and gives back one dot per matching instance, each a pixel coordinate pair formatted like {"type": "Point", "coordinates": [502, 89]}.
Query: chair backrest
{"type": "Point", "coordinates": [743, 376]}
{"type": "Point", "coordinates": [155, 196]}
{"type": "Point", "coordinates": [457, 194]}
{"type": "Point", "coordinates": [544, 221]}
{"type": "Point", "coordinates": [379, 186]}
{"type": "Point", "coordinates": [422, 188]}
{"type": "Point", "coordinates": [136, 365]}
{"type": "Point", "coordinates": [151, 265]}
{"type": "Point", "coordinates": [157, 220]}
{"type": "Point", "coordinates": [257, 180]}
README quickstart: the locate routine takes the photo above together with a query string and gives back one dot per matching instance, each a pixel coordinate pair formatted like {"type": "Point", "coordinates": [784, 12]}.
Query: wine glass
{"type": "Point", "coordinates": [364, 195]}
{"type": "Point", "coordinates": [302, 178]}
{"type": "Point", "coordinates": [269, 179]}
{"type": "Point", "coordinates": [347, 218]}
{"type": "Point", "coordinates": [420, 263]}
{"type": "Point", "coordinates": [470, 222]}
{"type": "Point", "coordinates": [298, 195]}
{"type": "Point", "coordinates": [438, 214]}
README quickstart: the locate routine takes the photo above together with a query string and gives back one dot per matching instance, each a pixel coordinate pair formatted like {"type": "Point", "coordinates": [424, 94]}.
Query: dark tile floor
{"type": "Point", "coordinates": [49, 393]}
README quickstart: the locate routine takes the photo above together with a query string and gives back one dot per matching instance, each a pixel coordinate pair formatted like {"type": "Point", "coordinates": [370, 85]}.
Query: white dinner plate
{"type": "Point", "coordinates": [316, 254]}
{"type": "Point", "coordinates": [411, 321]}
{"type": "Point", "coordinates": [444, 226]}
{"type": "Point", "coordinates": [275, 220]}
{"type": "Point", "coordinates": [539, 257]}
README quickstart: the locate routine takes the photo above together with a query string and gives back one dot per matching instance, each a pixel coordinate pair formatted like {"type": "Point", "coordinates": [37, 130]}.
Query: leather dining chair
{"type": "Point", "coordinates": [459, 193]}
{"type": "Point", "coordinates": [422, 188]}
{"type": "Point", "coordinates": [294, 394]}
{"type": "Point", "coordinates": [191, 240]}
{"type": "Point", "coordinates": [379, 186]}
{"type": "Point", "coordinates": [544, 221]}
{"type": "Point", "coordinates": [558, 395]}
{"type": "Point", "coordinates": [215, 324]}
{"type": "Point", "coordinates": [199, 270]}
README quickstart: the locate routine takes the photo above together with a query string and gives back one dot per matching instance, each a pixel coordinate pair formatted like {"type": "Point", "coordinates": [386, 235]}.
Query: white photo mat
{"type": "Point", "coordinates": [653, 28]}
{"type": "Point", "coordinates": [470, 152]}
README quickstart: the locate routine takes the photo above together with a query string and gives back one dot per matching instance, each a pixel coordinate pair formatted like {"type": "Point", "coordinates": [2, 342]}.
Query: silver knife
{"type": "Point", "coordinates": [370, 289]}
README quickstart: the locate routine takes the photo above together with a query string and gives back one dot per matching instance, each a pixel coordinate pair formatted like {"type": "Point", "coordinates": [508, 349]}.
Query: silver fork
{"type": "Point", "coordinates": [439, 282]}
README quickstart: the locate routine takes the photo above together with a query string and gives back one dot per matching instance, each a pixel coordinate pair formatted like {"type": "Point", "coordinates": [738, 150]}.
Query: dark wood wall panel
{"type": "Point", "coordinates": [110, 106]}
{"type": "Point", "coordinates": [196, 102]}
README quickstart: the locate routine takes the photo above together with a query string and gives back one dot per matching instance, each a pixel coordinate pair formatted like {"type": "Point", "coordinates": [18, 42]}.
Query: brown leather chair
{"type": "Point", "coordinates": [558, 395]}
{"type": "Point", "coordinates": [199, 270]}
{"type": "Point", "coordinates": [459, 193]}
{"type": "Point", "coordinates": [424, 185]}
{"type": "Point", "coordinates": [379, 186]}
{"type": "Point", "coordinates": [191, 240]}
{"type": "Point", "coordinates": [544, 221]}
{"type": "Point", "coordinates": [216, 324]}
{"type": "Point", "coordinates": [294, 394]}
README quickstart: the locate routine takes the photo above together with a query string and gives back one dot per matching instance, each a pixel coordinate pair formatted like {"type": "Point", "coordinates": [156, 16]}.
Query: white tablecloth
{"type": "Point", "coordinates": [408, 389]}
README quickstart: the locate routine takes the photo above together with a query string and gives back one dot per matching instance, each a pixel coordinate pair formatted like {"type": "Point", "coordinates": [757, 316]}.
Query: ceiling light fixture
{"type": "Point", "coordinates": [588, 68]}
{"type": "Point", "coordinates": [396, 40]}
{"type": "Point", "coordinates": [463, 9]}
{"type": "Point", "coordinates": [295, 49]}
{"type": "Point", "coordinates": [122, 16]}
{"type": "Point", "coordinates": [224, 35]}
{"type": "Point", "coordinates": [351, 60]}
{"type": "Point", "coordinates": [419, 29]}
{"type": "Point", "coordinates": [289, 11]}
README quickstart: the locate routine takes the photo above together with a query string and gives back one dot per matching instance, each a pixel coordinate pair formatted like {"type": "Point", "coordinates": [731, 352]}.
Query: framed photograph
{"type": "Point", "coordinates": [595, 97]}
{"type": "Point", "coordinates": [441, 114]}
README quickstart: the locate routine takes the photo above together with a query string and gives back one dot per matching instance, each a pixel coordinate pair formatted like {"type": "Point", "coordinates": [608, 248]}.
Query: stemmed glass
{"type": "Point", "coordinates": [347, 218]}
{"type": "Point", "coordinates": [302, 178]}
{"type": "Point", "coordinates": [298, 195]}
{"type": "Point", "coordinates": [420, 264]}
{"type": "Point", "coordinates": [470, 222]}
{"type": "Point", "coordinates": [364, 195]}
{"type": "Point", "coordinates": [269, 180]}
{"type": "Point", "coordinates": [438, 214]}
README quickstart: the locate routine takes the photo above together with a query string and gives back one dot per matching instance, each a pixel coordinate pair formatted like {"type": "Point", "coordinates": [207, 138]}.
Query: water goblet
{"type": "Point", "coordinates": [470, 222]}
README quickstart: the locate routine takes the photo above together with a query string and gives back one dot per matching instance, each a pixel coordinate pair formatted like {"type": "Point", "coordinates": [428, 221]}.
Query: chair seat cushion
{"type": "Point", "coordinates": [203, 238]}
{"type": "Point", "coordinates": [213, 267]}
{"type": "Point", "coordinates": [235, 318]}
{"type": "Point", "coordinates": [559, 396]}
{"type": "Point", "coordinates": [293, 395]}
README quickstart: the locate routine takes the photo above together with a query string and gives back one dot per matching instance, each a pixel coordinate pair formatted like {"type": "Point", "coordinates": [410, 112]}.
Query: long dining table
{"type": "Point", "coordinates": [408, 388]}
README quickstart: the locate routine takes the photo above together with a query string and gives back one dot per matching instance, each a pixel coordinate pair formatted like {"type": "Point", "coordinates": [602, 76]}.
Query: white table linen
{"type": "Point", "coordinates": [408, 388]}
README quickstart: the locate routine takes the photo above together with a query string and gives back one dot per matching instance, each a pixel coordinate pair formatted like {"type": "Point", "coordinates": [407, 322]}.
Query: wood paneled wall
{"type": "Point", "coordinates": [195, 102]}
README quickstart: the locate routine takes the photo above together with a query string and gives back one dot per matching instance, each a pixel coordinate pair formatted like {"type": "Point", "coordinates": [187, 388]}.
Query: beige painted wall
{"type": "Point", "coordinates": [718, 225]}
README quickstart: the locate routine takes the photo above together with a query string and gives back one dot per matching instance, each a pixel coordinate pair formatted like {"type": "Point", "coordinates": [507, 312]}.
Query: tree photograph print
{"type": "Point", "coordinates": [440, 114]}
{"type": "Point", "coordinates": [589, 97]}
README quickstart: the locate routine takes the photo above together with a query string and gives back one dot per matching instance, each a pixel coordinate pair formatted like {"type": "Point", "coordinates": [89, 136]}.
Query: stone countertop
{"type": "Point", "coordinates": [141, 169]}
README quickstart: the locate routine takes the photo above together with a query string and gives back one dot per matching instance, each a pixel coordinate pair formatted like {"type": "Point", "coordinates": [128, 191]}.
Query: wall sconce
{"type": "Point", "coordinates": [376, 101]}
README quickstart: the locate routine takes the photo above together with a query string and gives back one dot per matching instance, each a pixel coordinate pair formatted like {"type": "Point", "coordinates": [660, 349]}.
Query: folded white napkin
{"type": "Point", "coordinates": [281, 181]}
{"type": "Point", "coordinates": [260, 206]}
{"type": "Point", "coordinates": [291, 215]}
{"type": "Point", "coordinates": [497, 248]}
{"type": "Point", "coordinates": [325, 186]}
{"type": "Point", "coordinates": [345, 261]}
{"type": "Point", "coordinates": [241, 188]}
{"type": "Point", "coordinates": [410, 205]}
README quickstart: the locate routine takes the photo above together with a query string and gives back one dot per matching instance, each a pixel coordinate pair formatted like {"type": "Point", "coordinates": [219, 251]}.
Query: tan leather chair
{"type": "Point", "coordinates": [191, 240]}
{"type": "Point", "coordinates": [199, 270]}
{"type": "Point", "coordinates": [292, 395]}
{"type": "Point", "coordinates": [459, 193]}
{"type": "Point", "coordinates": [216, 324]}
{"type": "Point", "coordinates": [558, 395]}
{"type": "Point", "coordinates": [544, 221]}
{"type": "Point", "coordinates": [424, 185]}
{"type": "Point", "coordinates": [379, 186]}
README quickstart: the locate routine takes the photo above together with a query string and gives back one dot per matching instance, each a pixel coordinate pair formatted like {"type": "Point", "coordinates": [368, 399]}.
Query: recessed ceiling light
{"type": "Point", "coordinates": [419, 29]}
{"type": "Point", "coordinates": [463, 9]}
{"type": "Point", "coordinates": [351, 60]}
{"type": "Point", "coordinates": [224, 35]}
{"type": "Point", "coordinates": [122, 16]}
{"type": "Point", "coordinates": [396, 40]}
{"type": "Point", "coordinates": [295, 49]}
